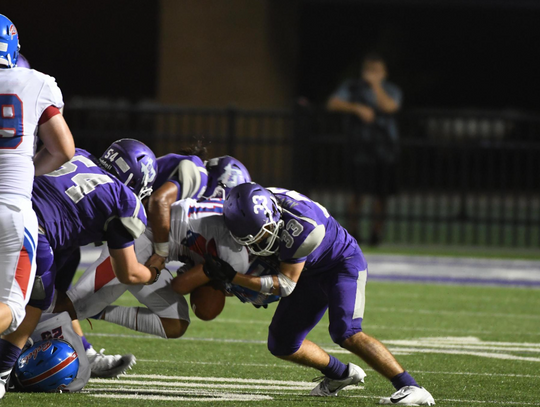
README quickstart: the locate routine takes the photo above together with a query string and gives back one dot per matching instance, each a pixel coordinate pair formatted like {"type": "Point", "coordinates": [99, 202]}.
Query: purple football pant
{"type": "Point", "coordinates": [340, 290]}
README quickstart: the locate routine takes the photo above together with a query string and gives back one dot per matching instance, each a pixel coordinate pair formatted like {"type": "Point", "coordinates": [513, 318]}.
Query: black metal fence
{"type": "Point", "coordinates": [464, 178]}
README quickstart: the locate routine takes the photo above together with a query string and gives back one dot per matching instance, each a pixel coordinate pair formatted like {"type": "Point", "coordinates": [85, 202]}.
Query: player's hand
{"type": "Point", "coordinates": [217, 269]}
{"type": "Point", "coordinates": [156, 261]}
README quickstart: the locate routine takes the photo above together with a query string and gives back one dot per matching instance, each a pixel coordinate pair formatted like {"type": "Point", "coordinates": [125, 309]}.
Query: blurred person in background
{"type": "Point", "coordinates": [373, 101]}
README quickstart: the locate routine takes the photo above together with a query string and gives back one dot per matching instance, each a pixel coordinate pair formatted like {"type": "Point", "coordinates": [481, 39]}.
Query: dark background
{"type": "Point", "coordinates": [464, 54]}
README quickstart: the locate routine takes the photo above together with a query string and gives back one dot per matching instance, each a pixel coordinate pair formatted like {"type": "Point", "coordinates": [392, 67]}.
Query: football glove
{"type": "Point", "coordinates": [217, 269]}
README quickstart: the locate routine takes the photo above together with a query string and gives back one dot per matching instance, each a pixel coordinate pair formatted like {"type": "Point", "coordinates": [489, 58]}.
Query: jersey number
{"type": "Point", "coordinates": [84, 183]}
{"type": "Point", "coordinates": [55, 333]}
{"type": "Point", "coordinates": [11, 121]}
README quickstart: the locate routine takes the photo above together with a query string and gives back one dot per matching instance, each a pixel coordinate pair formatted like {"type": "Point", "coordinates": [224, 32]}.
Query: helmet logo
{"type": "Point", "coordinates": [12, 30]}
{"type": "Point", "coordinates": [261, 204]}
{"type": "Point", "coordinates": [230, 176]}
{"type": "Point", "coordinates": [148, 170]}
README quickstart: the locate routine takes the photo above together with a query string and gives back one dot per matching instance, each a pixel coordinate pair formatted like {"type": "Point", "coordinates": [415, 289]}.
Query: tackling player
{"type": "Point", "coordinates": [82, 202]}
{"type": "Point", "coordinates": [322, 267]}
{"type": "Point", "coordinates": [197, 229]}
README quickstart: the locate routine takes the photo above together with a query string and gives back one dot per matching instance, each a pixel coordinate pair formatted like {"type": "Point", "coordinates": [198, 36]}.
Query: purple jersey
{"type": "Point", "coordinates": [76, 203]}
{"type": "Point", "coordinates": [186, 171]}
{"type": "Point", "coordinates": [310, 234]}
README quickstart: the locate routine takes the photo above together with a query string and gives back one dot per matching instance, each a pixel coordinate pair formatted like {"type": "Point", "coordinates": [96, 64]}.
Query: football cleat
{"type": "Point", "coordinates": [105, 366]}
{"type": "Point", "coordinates": [409, 396]}
{"type": "Point", "coordinates": [330, 387]}
{"type": "Point", "coordinates": [4, 382]}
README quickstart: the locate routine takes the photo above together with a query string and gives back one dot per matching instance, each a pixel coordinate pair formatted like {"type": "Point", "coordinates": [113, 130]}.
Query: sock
{"type": "Point", "coordinates": [87, 345]}
{"type": "Point", "coordinates": [402, 380]}
{"type": "Point", "coordinates": [336, 369]}
{"type": "Point", "coordinates": [9, 354]}
{"type": "Point", "coordinates": [136, 318]}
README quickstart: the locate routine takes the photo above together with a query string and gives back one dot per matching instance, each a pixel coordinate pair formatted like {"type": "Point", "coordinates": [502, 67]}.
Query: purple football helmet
{"type": "Point", "coordinates": [133, 163]}
{"type": "Point", "coordinates": [224, 173]}
{"type": "Point", "coordinates": [22, 62]}
{"type": "Point", "coordinates": [253, 217]}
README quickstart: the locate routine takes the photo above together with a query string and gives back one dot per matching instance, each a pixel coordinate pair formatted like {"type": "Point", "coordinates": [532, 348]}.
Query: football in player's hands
{"type": "Point", "coordinates": [217, 269]}
{"type": "Point", "coordinates": [207, 301]}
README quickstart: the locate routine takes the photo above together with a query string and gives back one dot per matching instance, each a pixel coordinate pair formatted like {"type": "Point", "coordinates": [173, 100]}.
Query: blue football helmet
{"type": "Point", "coordinates": [47, 366]}
{"type": "Point", "coordinates": [253, 217]}
{"type": "Point", "coordinates": [224, 173]}
{"type": "Point", "coordinates": [9, 42]}
{"type": "Point", "coordinates": [133, 163]}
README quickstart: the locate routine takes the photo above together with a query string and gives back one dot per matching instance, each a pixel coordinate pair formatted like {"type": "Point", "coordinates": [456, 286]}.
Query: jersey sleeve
{"type": "Point", "coordinates": [50, 95]}
{"type": "Point", "coordinates": [131, 213]}
{"type": "Point", "coordinates": [192, 178]}
{"type": "Point", "coordinates": [117, 236]}
{"type": "Point", "coordinates": [300, 237]}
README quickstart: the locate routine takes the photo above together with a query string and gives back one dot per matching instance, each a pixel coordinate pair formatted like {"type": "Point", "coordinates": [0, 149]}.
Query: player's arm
{"type": "Point", "coordinates": [129, 271]}
{"type": "Point", "coordinates": [58, 144]}
{"type": "Point", "coordinates": [124, 261]}
{"type": "Point", "coordinates": [185, 283]}
{"type": "Point", "coordinates": [159, 216]}
{"type": "Point", "coordinates": [282, 285]}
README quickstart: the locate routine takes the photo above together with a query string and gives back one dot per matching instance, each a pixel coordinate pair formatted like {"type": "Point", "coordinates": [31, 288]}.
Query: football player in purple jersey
{"type": "Point", "coordinates": [186, 176]}
{"type": "Point", "coordinates": [85, 201]}
{"type": "Point", "coordinates": [322, 268]}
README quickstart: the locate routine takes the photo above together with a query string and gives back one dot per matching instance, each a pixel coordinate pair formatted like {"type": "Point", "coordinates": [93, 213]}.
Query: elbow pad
{"type": "Point", "coordinates": [286, 285]}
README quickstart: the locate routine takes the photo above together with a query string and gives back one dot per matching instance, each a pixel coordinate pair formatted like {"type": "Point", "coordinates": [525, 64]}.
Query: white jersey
{"type": "Point", "coordinates": [191, 237]}
{"type": "Point", "coordinates": [24, 95]}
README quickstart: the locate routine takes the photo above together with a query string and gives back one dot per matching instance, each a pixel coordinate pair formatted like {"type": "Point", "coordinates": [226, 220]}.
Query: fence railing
{"type": "Point", "coordinates": [463, 177]}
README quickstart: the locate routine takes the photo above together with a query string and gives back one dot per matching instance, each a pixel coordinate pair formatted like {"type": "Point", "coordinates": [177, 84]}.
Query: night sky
{"type": "Point", "coordinates": [441, 56]}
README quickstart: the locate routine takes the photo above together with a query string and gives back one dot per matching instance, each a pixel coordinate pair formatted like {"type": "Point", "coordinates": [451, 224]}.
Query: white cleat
{"type": "Point", "coordinates": [102, 365]}
{"type": "Point", "coordinates": [409, 396]}
{"type": "Point", "coordinates": [4, 380]}
{"type": "Point", "coordinates": [330, 387]}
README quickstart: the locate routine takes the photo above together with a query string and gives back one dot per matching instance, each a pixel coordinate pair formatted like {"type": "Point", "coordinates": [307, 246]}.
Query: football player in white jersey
{"type": "Point", "coordinates": [197, 229]}
{"type": "Point", "coordinates": [30, 103]}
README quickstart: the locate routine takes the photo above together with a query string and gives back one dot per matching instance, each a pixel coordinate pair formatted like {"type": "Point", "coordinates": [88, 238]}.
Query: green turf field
{"type": "Point", "coordinates": [470, 346]}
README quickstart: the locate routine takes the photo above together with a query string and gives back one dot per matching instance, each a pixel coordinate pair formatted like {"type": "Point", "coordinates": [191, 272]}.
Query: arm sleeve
{"type": "Point", "coordinates": [117, 236]}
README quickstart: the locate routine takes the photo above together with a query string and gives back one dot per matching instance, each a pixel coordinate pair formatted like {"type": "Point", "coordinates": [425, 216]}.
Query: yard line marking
{"type": "Point", "coordinates": [501, 356]}
{"type": "Point", "coordinates": [287, 365]}
{"type": "Point", "coordinates": [455, 313]}
{"type": "Point", "coordinates": [214, 397]}
{"type": "Point", "coordinates": [217, 379]}
{"type": "Point", "coordinates": [204, 385]}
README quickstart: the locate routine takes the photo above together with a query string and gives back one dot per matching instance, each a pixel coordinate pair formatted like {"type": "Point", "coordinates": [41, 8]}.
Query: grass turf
{"type": "Point", "coordinates": [491, 354]}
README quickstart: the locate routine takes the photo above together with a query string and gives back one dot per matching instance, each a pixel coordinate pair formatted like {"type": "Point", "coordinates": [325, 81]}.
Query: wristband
{"type": "Point", "coordinates": [267, 284]}
{"type": "Point", "coordinates": [158, 273]}
{"type": "Point", "coordinates": [162, 249]}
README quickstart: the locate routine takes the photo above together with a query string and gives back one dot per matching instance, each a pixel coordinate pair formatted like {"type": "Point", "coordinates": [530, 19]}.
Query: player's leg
{"type": "Point", "coordinates": [166, 315]}
{"type": "Point", "coordinates": [346, 293]}
{"type": "Point", "coordinates": [11, 345]}
{"type": "Point", "coordinates": [18, 237]}
{"type": "Point", "coordinates": [295, 317]}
